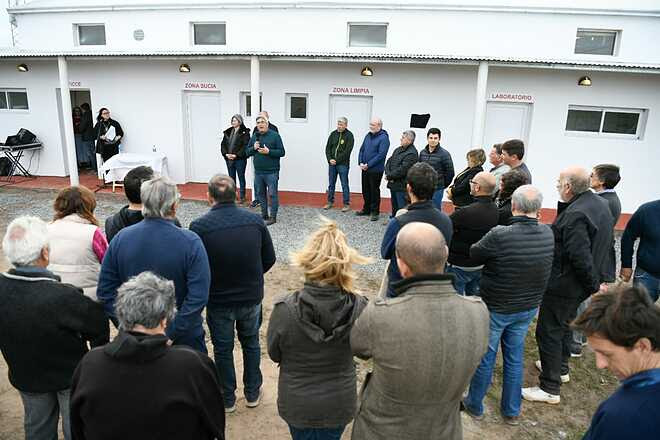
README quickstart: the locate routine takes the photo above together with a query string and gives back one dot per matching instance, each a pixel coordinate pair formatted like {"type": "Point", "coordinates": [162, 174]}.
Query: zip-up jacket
{"type": "Point", "coordinates": [339, 147]}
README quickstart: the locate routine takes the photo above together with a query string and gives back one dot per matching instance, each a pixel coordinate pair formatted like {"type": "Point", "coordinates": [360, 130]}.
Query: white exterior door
{"type": "Point", "coordinates": [357, 109]}
{"type": "Point", "coordinates": [203, 130]}
{"type": "Point", "coordinates": [507, 120]}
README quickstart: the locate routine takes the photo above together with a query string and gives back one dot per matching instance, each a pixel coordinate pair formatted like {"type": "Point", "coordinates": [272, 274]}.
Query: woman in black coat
{"type": "Point", "coordinates": [459, 191]}
{"type": "Point", "coordinates": [106, 144]}
{"type": "Point", "coordinates": [234, 142]}
{"type": "Point", "coordinates": [509, 182]}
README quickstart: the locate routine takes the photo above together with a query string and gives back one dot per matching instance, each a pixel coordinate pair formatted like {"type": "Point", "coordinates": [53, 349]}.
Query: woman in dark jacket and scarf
{"type": "Point", "coordinates": [459, 191]}
{"type": "Point", "coordinates": [234, 141]}
{"type": "Point", "coordinates": [309, 336]}
{"type": "Point", "coordinates": [509, 182]}
{"type": "Point", "coordinates": [106, 144]}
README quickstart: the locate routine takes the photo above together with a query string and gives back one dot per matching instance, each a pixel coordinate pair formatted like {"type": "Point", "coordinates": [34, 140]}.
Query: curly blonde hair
{"type": "Point", "coordinates": [327, 259]}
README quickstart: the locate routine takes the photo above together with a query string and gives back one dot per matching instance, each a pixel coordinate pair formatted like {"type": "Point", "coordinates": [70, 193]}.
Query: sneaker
{"type": "Point", "coordinates": [230, 409]}
{"type": "Point", "coordinates": [536, 394]}
{"type": "Point", "coordinates": [576, 351]}
{"type": "Point", "coordinates": [255, 403]}
{"type": "Point", "coordinates": [327, 206]}
{"type": "Point", "coordinates": [565, 378]}
{"type": "Point", "coordinates": [254, 203]}
{"type": "Point", "coordinates": [361, 213]}
{"type": "Point", "coordinates": [467, 411]}
{"type": "Point", "coordinates": [271, 221]}
{"type": "Point", "coordinates": [374, 217]}
{"type": "Point", "coordinates": [346, 208]}
{"type": "Point", "coordinates": [511, 420]}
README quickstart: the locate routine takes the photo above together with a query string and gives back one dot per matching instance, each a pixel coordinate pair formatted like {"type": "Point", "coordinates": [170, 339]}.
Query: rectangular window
{"type": "Point", "coordinates": [91, 34]}
{"type": "Point", "coordinates": [13, 99]}
{"type": "Point", "coordinates": [605, 121]}
{"type": "Point", "coordinates": [595, 42]}
{"type": "Point", "coordinates": [367, 34]}
{"type": "Point", "coordinates": [296, 107]}
{"type": "Point", "coordinates": [209, 33]}
{"type": "Point", "coordinates": [246, 104]}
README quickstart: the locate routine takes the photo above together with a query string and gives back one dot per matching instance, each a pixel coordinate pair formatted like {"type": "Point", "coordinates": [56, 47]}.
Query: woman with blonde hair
{"type": "Point", "coordinates": [77, 244]}
{"type": "Point", "coordinates": [459, 191]}
{"type": "Point", "coordinates": [309, 336]}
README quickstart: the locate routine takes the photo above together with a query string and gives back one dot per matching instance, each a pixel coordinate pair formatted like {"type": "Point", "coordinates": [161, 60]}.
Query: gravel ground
{"type": "Point", "coordinates": [289, 233]}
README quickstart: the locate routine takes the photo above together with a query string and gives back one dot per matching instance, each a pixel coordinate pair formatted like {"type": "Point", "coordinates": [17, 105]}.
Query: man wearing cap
{"type": "Point", "coordinates": [266, 146]}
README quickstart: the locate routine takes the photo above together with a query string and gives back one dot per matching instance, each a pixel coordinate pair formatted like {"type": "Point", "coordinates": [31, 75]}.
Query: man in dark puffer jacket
{"type": "Point", "coordinates": [517, 261]}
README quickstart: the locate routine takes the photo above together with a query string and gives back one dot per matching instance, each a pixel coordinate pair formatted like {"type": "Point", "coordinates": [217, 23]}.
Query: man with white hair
{"type": "Point", "coordinates": [583, 236]}
{"type": "Point", "coordinates": [517, 259]}
{"type": "Point", "coordinates": [156, 244]}
{"type": "Point", "coordinates": [45, 326]}
{"type": "Point", "coordinates": [372, 163]}
{"type": "Point", "coordinates": [338, 153]}
{"type": "Point", "coordinates": [139, 386]}
{"type": "Point", "coordinates": [396, 169]}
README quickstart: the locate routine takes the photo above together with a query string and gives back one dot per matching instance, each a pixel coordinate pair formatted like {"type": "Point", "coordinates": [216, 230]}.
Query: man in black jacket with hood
{"type": "Point", "coordinates": [131, 213]}
{"type": "Point", "coordinates": [583, 236]}
{"type": "Point", "coordinates": [396, 169]}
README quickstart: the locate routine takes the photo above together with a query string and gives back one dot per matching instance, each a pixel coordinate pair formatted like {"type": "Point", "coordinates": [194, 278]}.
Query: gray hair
{"type": "Point", "coordinates": [422, 247]}
{"type": "Point", "coordinates": [24, 240]}
{"type": "Point", "coordinates": [222, 188]}
{"type": "Point", "coordinates": [343, 120]}
{"type": "Point", "coordinates": [527, 199]}
{"type": "Point", "coordinates": [238, 117]}
{"type": "Point", "coordinates": [158, 196]}
{"type": "Point", "coordinates": [410, 135]}
{"type": "Point", "coordinates": [579, 180]}
{"type": "Point", "coordinates": [145, 299]}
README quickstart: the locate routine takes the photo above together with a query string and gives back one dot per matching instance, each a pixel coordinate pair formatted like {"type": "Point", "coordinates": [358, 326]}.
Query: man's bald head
{"type": "Point", "coordinates": [484, 184]}
{"type": "Point", "coordinates": [420, 249]}
{"type": "Point", "coordinates": [572, 182]}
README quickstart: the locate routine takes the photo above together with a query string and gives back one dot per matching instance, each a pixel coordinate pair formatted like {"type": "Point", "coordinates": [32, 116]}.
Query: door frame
{"type": "Point", "coordinates": [529, 106]}
{"type": "Point", "coordinates": [188, 157]}
{"type": "Point", "coordinates": [332, 123]}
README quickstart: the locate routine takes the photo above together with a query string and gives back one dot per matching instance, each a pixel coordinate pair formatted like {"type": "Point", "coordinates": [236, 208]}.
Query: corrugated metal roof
{"type": "Point", "coordinates": [341, 56]}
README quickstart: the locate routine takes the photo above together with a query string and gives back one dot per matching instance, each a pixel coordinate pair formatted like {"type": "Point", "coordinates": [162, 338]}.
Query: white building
{"type": "Point", "coordinates": [484, 73]}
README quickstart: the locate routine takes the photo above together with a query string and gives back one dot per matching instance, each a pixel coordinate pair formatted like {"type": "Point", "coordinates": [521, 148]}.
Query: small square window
{"type": "Point", "coordinates": [584, 120]}
{"type": "Point", "coordinates": [625, 123]}
{"type": "Point", "coordinates": [620, 122]}
{"type": "Point", "coordinates": [367, 35]}
{"type": "Point", "coordinates": [91, 35]}
{"type": "Point", "coordinates": [209, 33]}
{"type": "Point", "coordinates": [18, 100]}
{"type": "Point", "coordinates": [296, 104]}
{"type": "Point", "coordinates": [246, 104]}
{"type": "Point", "coordinates": [3, 100]}
{"type": "Point", "coordinates": [595, 42]}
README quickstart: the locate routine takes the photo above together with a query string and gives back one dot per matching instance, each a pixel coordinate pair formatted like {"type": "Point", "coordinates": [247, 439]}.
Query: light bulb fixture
{"type": "Point", "coordinates": [184, 68]}
{"type": "Point", "coordinates": [22, 68]}
{"type": "Point", "coordinates": [584, 81]}
{"type": "Point", "coordinates": [366, 71]}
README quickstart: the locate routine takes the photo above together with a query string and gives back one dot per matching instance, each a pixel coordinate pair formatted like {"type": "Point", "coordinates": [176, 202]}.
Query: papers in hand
{"type": "Point", "coordinates": [110, 135]}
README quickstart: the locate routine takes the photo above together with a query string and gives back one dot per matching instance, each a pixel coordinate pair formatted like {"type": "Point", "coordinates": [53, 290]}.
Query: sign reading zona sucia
{"type": "Point", "coordinates": [200, 85]}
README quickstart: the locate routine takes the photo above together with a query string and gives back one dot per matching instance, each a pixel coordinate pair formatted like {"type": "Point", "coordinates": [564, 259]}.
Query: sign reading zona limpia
{"type": "Point", "coordinates": [511, 97]}
{"type": "Point", "coordinates": [363, 91]}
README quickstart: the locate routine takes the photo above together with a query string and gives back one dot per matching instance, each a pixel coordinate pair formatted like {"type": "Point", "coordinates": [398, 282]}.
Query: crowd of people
{"type": "Point", "coordinates": [456, 288]}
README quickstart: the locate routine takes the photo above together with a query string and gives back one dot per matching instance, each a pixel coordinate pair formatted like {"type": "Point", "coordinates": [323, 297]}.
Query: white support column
{"type": "Point", "coordinates": [479, 122]}
{"type": "Point", "coordinates": [254, 103]}
{"type": "Point", "coordinates": [69, 140]}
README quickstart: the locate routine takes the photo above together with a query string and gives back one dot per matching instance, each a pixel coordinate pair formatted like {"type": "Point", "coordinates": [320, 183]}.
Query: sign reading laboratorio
{"type": "Point", "coordinates": [360, 91]}
{"type": "Point", "coordinates": [511, 97]}
{"type": "Point", "coordinates": [200, 85]}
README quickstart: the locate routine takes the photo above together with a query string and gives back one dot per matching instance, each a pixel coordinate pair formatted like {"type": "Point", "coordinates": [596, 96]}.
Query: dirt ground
{"type": "Point", "coordinates": [569, 420]}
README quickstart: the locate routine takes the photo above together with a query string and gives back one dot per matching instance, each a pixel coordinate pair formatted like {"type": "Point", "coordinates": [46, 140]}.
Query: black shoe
{"type": "Point", "coordinates": [576, 351]}
{"type": "Point", "coordinates": [271, 220]}
{"type": "Point", "coordinates": [254, 203]}
{"type": "Point", "coordinates": [374, 217]}
{"type": "Point", "coordinates": [361, 213]}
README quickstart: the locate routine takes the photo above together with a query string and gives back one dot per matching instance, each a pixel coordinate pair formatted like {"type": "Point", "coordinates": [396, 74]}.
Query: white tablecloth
{"type": "Point", "coordinates": [120, 164]}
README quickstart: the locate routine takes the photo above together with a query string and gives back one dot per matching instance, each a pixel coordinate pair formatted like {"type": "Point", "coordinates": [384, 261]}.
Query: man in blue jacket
{"type": "Point", "coordinates": [372, 162]}
{"type": "Point", "coordinates": [156, 244]}
{"type": "Point", "coordinates": [266, 146]}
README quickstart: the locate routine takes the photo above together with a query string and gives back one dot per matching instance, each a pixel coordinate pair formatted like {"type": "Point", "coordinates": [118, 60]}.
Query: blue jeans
{"type": "Point", "coordinates": [42, 413]}
{"type": "Point", "coordinates": [221, 322]}
{"type": "Point", "coordinates": [437, 198]}
{"type": "Point", "coordinates": [510, 330]}
{"type": "Point", "coordinates": [466, 282]}
{"type": "Point", "coordinates": [316, 433]}
{"type": "Point", "coordinates": [398, 200]}
{"type": "Point", "coordinates": [195, 342]}
{"type": "Point", "coordinates": [648, 281]}
{"type": "Point", "coordinates": [238, 166]}
{"type": "Point", "coordinates": [267, 184]}
{"type": "Point", "coordinates": [342, 171]}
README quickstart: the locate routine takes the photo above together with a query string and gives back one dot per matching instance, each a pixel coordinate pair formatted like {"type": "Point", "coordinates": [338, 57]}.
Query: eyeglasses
{"type": "Point", "coordinates": [474, 182]}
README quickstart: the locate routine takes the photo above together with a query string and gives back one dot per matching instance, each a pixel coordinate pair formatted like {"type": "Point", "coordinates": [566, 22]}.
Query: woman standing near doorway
{"type": "Point", "coordinates": [108, 134]}
{"type": "Point", "coordinates": [234, 141]}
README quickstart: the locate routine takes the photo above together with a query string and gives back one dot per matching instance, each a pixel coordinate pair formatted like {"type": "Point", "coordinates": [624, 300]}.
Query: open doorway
{"type": "Point", "coordinates": [82, 119]}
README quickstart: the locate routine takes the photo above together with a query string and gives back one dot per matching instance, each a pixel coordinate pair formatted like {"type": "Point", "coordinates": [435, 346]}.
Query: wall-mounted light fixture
{"type": "Point", "coordinates": [22, 68]}
{"type": "Point", "coordinates": [366, 71]}
{"type": "Point", "coordinates": [184, 68]}
{"type": "Point", "coordinates": [584, 81]}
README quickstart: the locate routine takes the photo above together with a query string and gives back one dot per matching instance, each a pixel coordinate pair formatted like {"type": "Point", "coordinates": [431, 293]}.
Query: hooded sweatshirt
{"type": "Point", "coordinates": [309, 336]}
{"type": "Point", "coordinates": [138, 387]}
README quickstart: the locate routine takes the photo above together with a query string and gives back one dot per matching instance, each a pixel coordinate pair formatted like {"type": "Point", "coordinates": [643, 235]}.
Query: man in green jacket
{"type": "Point", "coordinates": [338, 153]}
{"type": "Point", "coordinates": [266, 146]}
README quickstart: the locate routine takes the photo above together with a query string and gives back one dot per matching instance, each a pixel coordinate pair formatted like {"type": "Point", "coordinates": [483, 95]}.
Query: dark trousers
{"type": "Point", "coordinates": [371, 191]}
{"type": "Point", "coordinates": [235, 167]}
{"type": "Point", "coordinates": [554, 338]}
{"type": "Point", "coordinates": [398, 200]}
{"type": "Point", "coordinates": [42, 413]}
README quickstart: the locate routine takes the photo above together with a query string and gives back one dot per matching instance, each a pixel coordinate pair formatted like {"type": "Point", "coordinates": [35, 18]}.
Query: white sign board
{"type": "Point", "coordinates": [359, 91]}
{"type": "Point", "coordinates": [200, 85]}
{"type": "Point", "coordinates": [511, 97]}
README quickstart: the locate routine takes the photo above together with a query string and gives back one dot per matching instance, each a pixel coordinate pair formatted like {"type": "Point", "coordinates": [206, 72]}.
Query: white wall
{"type": "Point", "coordinates": [5, 28]}
{"type": "Point", "coordinates": [466, 33]}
